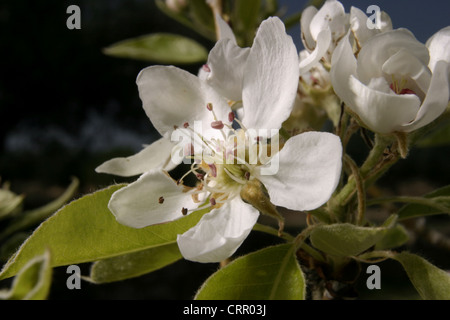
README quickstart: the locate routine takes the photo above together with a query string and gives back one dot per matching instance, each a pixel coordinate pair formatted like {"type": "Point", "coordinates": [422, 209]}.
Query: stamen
{"type": "Point", "coordinates": [186, 124]}
{"type": "Point", "coordinates": [231, 117]}
{"type": "Point", "coordinates": [184, 211]}
{"type": "Point", "coordinates": [213, 170]}
{"type": "Point", "coordinates": [212, 201]}
{"type": "Point", "coordinates": [247, 175]}
{"type": "Point", "coordinates": [240, 124]}
{"type": "Point", "coordinates": [209, 106]}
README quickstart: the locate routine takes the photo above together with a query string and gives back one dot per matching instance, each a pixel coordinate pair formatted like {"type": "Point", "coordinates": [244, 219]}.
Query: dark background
{"type": "Point", "coordinates": [65, 107]}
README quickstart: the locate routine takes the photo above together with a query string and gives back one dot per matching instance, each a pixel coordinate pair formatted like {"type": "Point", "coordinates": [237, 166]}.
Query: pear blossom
{"type": "Point", "coordinates": [396, 83]}
{"type": "Point", "coordinates": [322, 30]}
{"type": "Point", "coordinates": [233, 165]}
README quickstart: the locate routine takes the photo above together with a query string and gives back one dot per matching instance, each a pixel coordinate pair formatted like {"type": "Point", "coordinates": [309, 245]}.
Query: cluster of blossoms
{"type": "Point", "coordinates": [225, 122]}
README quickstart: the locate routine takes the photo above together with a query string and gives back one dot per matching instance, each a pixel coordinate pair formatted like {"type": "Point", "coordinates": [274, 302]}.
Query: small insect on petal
{"type": "Point", "coordinates": [184, 211]}
{"type": "Point", "coordinates": [161, 200]}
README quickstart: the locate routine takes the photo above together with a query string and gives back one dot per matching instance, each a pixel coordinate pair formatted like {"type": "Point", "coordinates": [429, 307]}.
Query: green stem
{"type": "Point", "coordinates": [373, 167]}
{"type": "Point", "coordinates": [377, 255]}
{"type": "Point", "coordinates": [430, 202]}
{"type": "Point", "coordinates": [360, 189]}
{"type": "Point", "coordinates": [299, 240]}
{"type": "Point", "coordinates": [300, 244]}
{"type": "Point", "coordinates": [272, 231]}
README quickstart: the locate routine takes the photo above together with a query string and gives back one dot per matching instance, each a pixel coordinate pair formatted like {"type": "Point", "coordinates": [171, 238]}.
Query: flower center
{"type": "Point", "coordinates": [222, 166]}
{"type": "Point", "coordinates": [399, 86]}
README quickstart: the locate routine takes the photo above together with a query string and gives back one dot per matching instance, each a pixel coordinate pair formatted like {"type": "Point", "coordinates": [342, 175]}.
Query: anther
{"type": "Point", "coordinates": [212, 201]}
{"type": "Point", "coordinates": [186, 124]}
{"type": "Point", "coordinates": [209, 106]}
{"type": "Point", "coordinates": [184, 211]}
{"type": "Point", "coordinates": [161, 200]}
{"type": "Point", "coordinates": [213, 170]}
{"type": "Point", "coordinates": [247, 175]}
{"type": "Point", "coordinates": [217, 125]}
{"type": "Point", "coordinates": [200, 176]}
{"type": "Point", "coordinates": [231, 116]}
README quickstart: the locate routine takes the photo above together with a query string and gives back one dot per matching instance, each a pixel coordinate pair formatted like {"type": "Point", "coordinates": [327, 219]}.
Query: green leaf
{"type": "Point", "coordinates": [270, 273]}
{"type": "Point", "coordinates": [32, 282]}
{"type": "Point", "coordinates": [86, 231]}
{"type": "Point", "coordinates": [33, 217]}
{"type": "Point", "coordinates": [435, 202]}
{"type": "Point", "coordinates": [344, 239]}
{"type": "Point", "coordinates": [394, 237]}
{"type": "Point", "coordinates": [207, 30]}
{"type": "Point", "coordinates": [134, 264]}
{"type": "Point", "coordinates": [431, 282]}
{"type": "Point", "coordinates": [440, 136]}
{"type": "Point", "coordinates": [246, 14]}
{"type": "Point", "coordinates": [10, 203]}
{"type": "Point", "coordinates": [162, 48]}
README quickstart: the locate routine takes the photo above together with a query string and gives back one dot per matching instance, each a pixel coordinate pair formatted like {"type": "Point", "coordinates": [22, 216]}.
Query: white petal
{"type": "Point", "coordinates": [171, 97]}
{"type": "Point", "coordinates": [225, 31]}
{"type": "Point", "coordinates": [323, 43]}
{"type": "Point", "coordinates": [305, 21]}
{"type": "Point", "coordinates": [219, 233]}
{"type": "Point", "coordinates": [382, 46]}
{"type": "Point", "coordinates": [155, 155]}
{"type": "Point", "coordinates": [343, 65]}
{"type": "Point", "coordinates": [270, 78]}
{"type": "Point", "coordinates": [404, 64]}
{"type": "Point", "coordinates": [227, 63]}
{"type": "Point", "coordinates": [380, 111]}
{"type": "Point", "coordinates": [309, 170]}
{"type": "Point", "coordinates": [331, 15]}
{"type": "Point", "coordinates": [436, 99]}
{"type": "Point", "coordinates": [154, 198]}
{"type": "Point", "coordinates": [439, 46]}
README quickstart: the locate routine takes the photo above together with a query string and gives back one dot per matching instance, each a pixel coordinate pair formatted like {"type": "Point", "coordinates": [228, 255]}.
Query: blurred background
{"type": "Point", "coordinates": [65, 107]}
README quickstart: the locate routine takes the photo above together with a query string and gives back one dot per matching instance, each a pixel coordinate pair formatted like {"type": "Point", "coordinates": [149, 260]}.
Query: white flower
{"type": "Point", "coordinates": [323, 29]}
{"type": "Point", "coordinates": [180, 104]}
{"type": "Point", "coordinates": [390, 85]}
